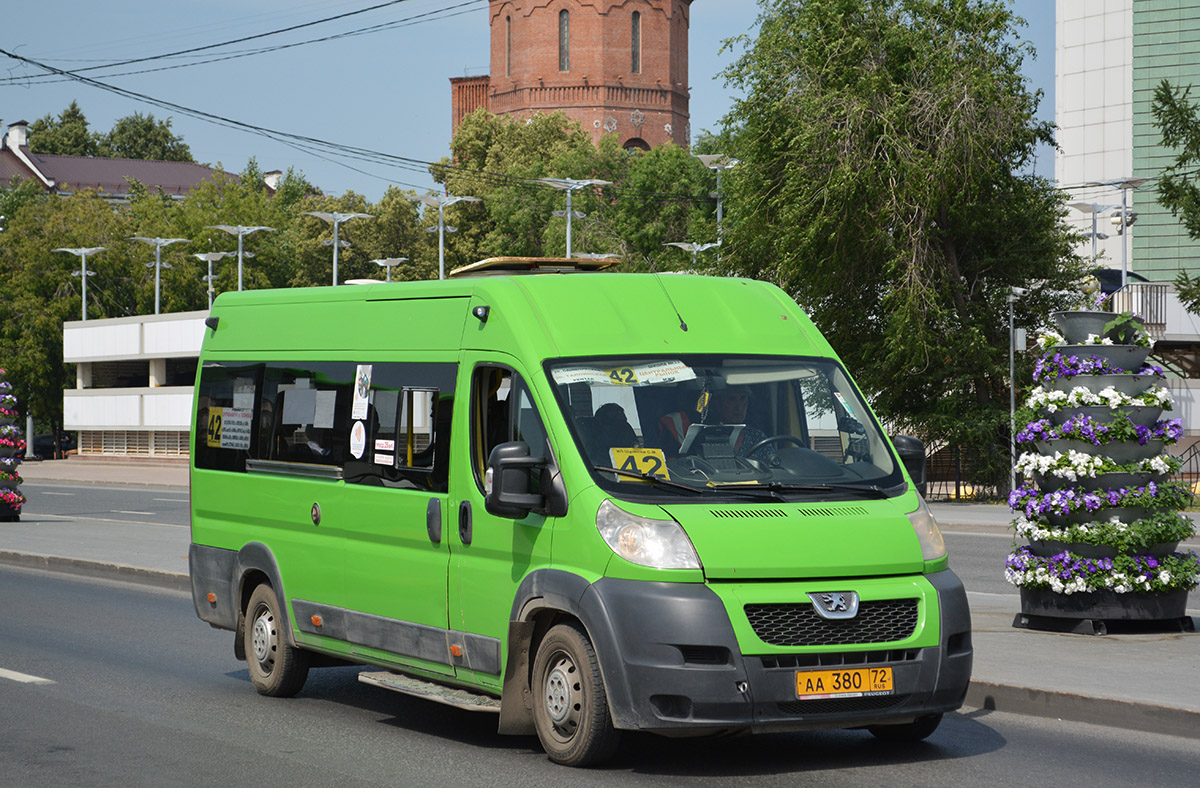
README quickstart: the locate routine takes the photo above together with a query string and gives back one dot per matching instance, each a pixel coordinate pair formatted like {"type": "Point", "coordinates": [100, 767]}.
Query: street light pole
{"type": "Point", "coordinates": [1124, 184]}
{"type": "Point", "coordinates": [695, 249]}
{"type": "Point", "coordinates": [718, 162]}
{"type": "Point", "coordinates": [158, 244]}
{"type": "Point", "coordinates": [570, 185]}
{"type": "Point", "coordinates": [335, 219]}
{"type": "Point", "coordinates": [241, 232]}
{"type": "Point", "coordinates": [210, 258]}
{"type": "Point", "coordinates": [388, 262]}
{"type": "Point", "coordinates": [440, 201]}
{"type": "Point", "coordinates": [1013, 295]}
{"type": "Point", "coordinates": [82, 273]}
{"type": "Point", "coordinates": [1095, 209]}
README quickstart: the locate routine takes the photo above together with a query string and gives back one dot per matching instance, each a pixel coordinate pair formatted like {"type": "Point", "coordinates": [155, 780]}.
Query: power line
{"type": "Point", "coordinates": [428, 16]}
{"type": "Point", "coordinates": [311, 145]}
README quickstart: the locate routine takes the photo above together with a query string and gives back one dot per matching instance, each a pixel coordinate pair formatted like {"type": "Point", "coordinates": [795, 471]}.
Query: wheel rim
{"type": "Point", "coordinates": [563, 696]}
{"type": "Point", "coordinates": [263, 638]}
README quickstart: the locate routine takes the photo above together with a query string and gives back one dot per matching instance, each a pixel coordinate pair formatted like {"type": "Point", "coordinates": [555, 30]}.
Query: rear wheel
{"type": "Point", "coordinates": [570, 709]}
{"type": "Point", "coordinates": [276, 668]}
{"type": "Point", "coordinates": [918, 729]}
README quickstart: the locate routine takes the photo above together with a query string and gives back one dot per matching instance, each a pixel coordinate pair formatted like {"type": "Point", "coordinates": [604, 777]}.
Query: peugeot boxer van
{"type": "Point", "coordinates": [585, 502]}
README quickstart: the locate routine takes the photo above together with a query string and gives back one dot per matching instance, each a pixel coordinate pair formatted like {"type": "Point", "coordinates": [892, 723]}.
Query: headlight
{"type": "Point", "coordinates": [661, 544]}
{"type": "Point", "coordinates": [929, 535]}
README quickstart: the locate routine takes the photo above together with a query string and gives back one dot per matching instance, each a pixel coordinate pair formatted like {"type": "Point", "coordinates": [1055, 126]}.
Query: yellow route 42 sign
{"type": "Point", "coordinates": [651, 462]}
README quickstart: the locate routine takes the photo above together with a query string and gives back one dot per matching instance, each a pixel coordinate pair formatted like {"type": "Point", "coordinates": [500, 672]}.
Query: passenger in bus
{"type": "Point", "coordinates": [612, 429]}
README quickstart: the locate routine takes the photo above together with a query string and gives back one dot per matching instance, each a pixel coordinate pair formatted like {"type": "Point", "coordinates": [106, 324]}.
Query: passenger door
{"type": "Point", "coordinates": [396, 547]}
{"type": "Point", "coordinates": [491, 555]}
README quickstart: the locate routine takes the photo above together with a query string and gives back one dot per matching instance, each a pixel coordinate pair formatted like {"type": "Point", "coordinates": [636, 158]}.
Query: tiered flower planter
{"type": "Point", "coordinates": [12, 449]}
{"type": "Point", "coordinates": [1098, 509]}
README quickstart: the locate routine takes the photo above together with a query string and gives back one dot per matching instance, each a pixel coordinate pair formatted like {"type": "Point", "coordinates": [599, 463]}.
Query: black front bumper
{"type": "Point", "coordinates": [671, 663]}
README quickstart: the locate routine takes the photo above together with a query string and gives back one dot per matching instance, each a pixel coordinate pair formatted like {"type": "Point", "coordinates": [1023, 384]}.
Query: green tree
{"type": "Point", "coordinates": [68, 135]}
{"type": "Point", "coordinates": [655, 197]}
{"type": "Point", "coordinates": [881, 144]}
{"type": "Point", "coordinates": [1177, 119]}
{"type": "Point", "coordinates": [18, 193]}
{"type": "Point", "coordinates": [139, 136]}
{"type": "Point", "coordinates": [40, 291]}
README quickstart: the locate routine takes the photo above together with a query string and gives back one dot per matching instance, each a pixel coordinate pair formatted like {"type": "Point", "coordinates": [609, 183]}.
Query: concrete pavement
{"type": "Point", "coordinates": [1143, 681]}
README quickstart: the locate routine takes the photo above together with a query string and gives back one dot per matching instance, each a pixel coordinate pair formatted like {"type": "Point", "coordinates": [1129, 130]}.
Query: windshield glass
{"type": "Point", "coordinates": [741, 425]}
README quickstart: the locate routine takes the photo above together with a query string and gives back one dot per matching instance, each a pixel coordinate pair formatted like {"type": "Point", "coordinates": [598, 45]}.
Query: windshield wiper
{"type": "Point", "coordinates": [647, 477]}
{"type": "Point", "coordinates": [869, 489]}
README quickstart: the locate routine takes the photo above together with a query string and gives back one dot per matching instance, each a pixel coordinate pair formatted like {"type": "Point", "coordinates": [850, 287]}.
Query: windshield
{"type": "Point", "coordinates": [741, 425]}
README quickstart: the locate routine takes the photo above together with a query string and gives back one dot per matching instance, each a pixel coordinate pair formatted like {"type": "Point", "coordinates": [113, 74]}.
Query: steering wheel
{"type": "Point", "coordinates": [776, 439]}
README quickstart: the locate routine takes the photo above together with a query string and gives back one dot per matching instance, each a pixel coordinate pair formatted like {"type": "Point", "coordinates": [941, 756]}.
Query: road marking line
{"type": "Point", "coordinates": [69, 518]}
{"type": "Point", "coordinates": [171, 500]}
{"type": "Point", "coordinates": [24, 678]}
{"type": "Point", "coordinates": [126, 511]}
{"type": "Point", "coordinates": [54, 493]}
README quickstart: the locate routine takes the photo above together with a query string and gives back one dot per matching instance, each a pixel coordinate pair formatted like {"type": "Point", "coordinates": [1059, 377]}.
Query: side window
{"type": "Point", "coordinates": [406, 427]}
{"type": "Point", "coordinates": [502, 410]}
{"type": "Point", "coordinates": [226, 404]}
{"type": "Point", "coordinates": [308, 406]}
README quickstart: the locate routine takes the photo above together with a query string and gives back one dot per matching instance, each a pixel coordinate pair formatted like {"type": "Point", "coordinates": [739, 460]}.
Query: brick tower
{"type": "Point", "coordinates": [616, 66]}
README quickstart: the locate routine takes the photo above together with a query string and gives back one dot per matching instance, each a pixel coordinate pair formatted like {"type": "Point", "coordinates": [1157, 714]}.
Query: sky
{"type": "Point", "coordinates": [385, 89]}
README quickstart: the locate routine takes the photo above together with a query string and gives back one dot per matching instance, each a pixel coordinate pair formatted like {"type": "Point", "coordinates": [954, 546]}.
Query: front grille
{"type": "Point", "coordinates": [840, 705]}
{"type": "Point", "coordinates": [881, 621]}
{"type": "Point", "coordinates": [838, 659]}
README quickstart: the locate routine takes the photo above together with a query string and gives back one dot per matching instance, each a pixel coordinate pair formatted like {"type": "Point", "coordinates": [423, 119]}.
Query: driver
{"type": "Point", "coordinates": [728, 406]}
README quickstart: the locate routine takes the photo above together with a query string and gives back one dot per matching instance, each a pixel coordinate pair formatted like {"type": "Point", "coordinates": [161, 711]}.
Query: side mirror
{"type": "Point", "coordinates": [912, 454]}
{"type": "Point", "coordinates": [509, 479]}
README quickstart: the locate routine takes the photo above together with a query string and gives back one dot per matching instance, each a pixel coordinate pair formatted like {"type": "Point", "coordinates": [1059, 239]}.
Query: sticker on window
{"type": "Point", "coordinates": [362, 392]}
{"type": "Point", "coordinates": [654, 373]}
{"type": "Point", "coordinates": [358, 440]}
{"type": "Point", "coordinates": [243, 393]}
{"type": "Point", "coordinates": [234, 429]}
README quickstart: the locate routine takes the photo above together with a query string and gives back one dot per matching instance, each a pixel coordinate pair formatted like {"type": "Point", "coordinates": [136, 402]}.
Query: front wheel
{"type": "Point", "coordinates": [276, 668]}
{"type": "Point", "coordinates": [570, 709]}
{"type": "Point", "coordinates": [918, 729]}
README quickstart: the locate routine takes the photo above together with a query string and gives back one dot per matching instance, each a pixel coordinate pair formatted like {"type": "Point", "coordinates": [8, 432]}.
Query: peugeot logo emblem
{"type": "Point", "coordinates": [835, 605]}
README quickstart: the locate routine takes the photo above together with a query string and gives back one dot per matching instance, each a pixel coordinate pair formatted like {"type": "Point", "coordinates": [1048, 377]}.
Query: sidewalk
{"type": "Point", "coordinates": [1136, 681]}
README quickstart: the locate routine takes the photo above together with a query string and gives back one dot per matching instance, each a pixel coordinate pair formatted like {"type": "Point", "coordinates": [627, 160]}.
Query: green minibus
{"type": "Point", "coordinates": [586, 502]}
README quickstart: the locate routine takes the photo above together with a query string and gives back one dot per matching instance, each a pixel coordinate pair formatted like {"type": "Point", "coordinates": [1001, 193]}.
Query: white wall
{"type": "Point", "coordinates": [1093, 107]}
{"type": "Point", "coordinates": [176, 335]}
{"type": "Point", "coordinates": [165, 408]}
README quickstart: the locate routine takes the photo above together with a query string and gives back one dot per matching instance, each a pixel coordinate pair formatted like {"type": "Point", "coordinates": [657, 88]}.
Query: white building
{"type": "Point", "coordinates": [133, 383]}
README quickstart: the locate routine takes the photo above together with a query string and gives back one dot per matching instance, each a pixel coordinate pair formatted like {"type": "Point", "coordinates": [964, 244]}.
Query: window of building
{"type": "Point", "coordinates": [636, 42]}
{"type": "Point", "coordinates": [508, 46]}
{"type": "Point", "coordinates": [564, 41]}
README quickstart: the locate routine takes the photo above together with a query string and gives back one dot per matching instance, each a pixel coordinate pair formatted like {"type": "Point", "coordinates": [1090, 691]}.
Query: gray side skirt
{"type": "Point", "coordinates": [403, 638]}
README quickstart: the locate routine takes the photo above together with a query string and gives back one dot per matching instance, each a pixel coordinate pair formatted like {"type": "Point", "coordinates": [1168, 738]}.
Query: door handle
{"type": "Point", "coordinates": [464, 522]}
{"type": "Point", "coordinates": [433, 520]}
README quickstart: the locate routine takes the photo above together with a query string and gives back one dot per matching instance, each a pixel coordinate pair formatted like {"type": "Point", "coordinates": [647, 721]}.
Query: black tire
{"type": "Point", "coordinates": [917, 730]}
{"type": "Point", "coordinates": [276, 668]}
{"type": "Point", "coordinates": [570, 707]}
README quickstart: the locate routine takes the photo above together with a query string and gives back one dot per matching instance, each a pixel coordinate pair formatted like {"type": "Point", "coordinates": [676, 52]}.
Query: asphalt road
{"type": "Point", "coordinates": [110, 684]}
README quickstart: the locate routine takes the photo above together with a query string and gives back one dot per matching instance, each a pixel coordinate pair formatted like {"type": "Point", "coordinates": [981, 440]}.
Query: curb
{"type": "Point", "coordinates": [1128, 715]}
{"type": "Point", "coordinates": [52, 563]}
{"type": "Point", "coordinates": [985, 695]}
